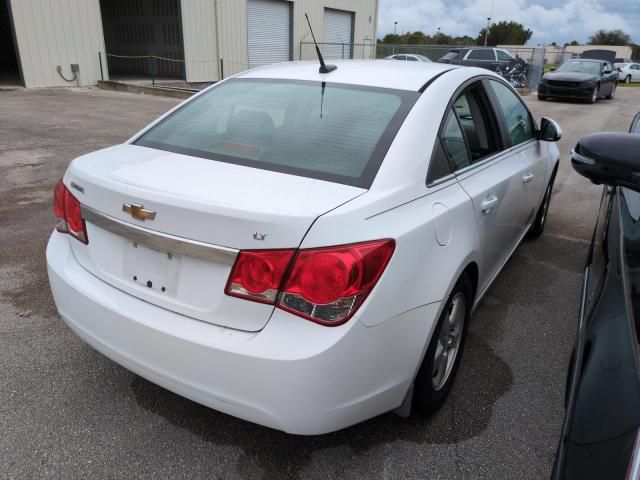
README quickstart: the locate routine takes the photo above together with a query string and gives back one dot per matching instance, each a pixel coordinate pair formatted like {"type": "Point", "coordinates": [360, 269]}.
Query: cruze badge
{"type": "Point", "coordinates": [138, 211]}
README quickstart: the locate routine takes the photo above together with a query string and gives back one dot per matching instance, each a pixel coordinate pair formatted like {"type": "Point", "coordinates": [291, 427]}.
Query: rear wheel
{"type": "Point", "coordinates": [627, 79]}
{"type": "Point", "coordinates": [441, 361]}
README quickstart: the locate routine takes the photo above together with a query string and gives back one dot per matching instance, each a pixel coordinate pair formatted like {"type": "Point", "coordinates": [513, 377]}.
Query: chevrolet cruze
{"type": "Point", "coordinates": [300, 249]}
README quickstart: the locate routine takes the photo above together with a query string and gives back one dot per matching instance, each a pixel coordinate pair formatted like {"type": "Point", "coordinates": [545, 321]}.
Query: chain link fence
{"type": "Point", "coordinates": [524, 71]}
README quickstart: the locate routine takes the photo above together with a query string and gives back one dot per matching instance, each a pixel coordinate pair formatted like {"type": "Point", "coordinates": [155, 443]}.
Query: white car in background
{"type": "Point", "coordinates": [628, 72]}
{"type": "Point", "coordinates": [303, 250]}
{"type": "Point", "coordinates": [408, 57]}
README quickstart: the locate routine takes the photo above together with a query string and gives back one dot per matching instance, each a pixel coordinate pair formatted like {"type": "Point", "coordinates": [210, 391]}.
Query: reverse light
{"type": "Point", "coordinates": [325, 285]}
{"type": "Point", "coordinates": [69, 219]}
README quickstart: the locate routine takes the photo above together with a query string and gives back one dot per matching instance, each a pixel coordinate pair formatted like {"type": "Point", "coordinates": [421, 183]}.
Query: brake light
{"type": "Point", "coordinates": [324, 285]}
{"type": "Point", "coordinates": [258, 274]}
{"type": "Point", "coordinates": [69, 219]}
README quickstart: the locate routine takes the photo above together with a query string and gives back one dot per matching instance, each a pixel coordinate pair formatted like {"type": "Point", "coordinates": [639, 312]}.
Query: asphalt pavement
{"type": "Point", "coordinates": [68, 412]}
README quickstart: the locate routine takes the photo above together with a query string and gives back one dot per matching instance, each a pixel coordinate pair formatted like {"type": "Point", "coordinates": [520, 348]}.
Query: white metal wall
{"type": "Point", "coordinates": [268, 32]}
{"type": "Point", "coordinates": [58, 32]}
{"type": "Point", "coordinates": [209, 37]}
{"type": "Point", "coordinates": [337, 29]}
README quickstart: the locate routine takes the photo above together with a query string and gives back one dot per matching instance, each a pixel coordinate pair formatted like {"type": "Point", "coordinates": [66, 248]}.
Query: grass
{"type": "Point", "coordinates": [549, 66]}
{"type": "Point", "coordinates": [627, 85]}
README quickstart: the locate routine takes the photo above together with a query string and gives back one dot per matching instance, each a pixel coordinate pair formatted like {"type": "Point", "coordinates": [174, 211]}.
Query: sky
{"type": "Point", "coordinates": [550, 20]}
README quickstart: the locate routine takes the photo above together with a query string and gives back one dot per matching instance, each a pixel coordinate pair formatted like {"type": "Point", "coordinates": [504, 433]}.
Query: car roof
{"type": "Point", "coordinates": [370, 73]}
{"type": "Point", "coordinates": [585, 60]}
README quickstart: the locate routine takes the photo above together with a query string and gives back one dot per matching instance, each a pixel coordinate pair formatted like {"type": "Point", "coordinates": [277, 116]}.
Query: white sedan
{"type": "Point", "coordinates": [628, 72]}
{"type": "Point", "coordinates": [303, 250]}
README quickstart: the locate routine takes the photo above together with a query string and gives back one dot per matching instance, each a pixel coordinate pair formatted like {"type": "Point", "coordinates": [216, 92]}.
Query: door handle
{"type": "Point", "coordinates": [527, 177]}
{"type": "Point", "coordinates": [488, 204]}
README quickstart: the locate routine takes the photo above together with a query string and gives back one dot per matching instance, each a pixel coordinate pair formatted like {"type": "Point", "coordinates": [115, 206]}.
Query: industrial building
{"type": "Point", "coordinates": [61, 42]}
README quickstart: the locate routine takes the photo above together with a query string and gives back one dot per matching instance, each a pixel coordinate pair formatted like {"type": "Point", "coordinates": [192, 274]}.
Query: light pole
{"type": "Point", "coordinates": [486, 31]}
{"type": "Point", "coordinates": [394, 27]}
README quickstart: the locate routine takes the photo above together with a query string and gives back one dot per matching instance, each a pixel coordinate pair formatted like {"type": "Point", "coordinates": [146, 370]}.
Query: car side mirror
{"type": "Point", "coordinates": [549, 131]}
{"type": "Point", "coordinates": [609, 159]}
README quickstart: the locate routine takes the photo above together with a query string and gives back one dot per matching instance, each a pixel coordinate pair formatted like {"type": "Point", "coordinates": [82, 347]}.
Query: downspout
{"type": "Point", "coordinates": [216, 23]}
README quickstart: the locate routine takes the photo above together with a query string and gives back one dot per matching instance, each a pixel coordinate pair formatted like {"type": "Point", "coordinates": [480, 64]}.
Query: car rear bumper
{"type": "Point", "coordinates": [293, 375]}
{"type": "Point", "coordinates": [565, 92]}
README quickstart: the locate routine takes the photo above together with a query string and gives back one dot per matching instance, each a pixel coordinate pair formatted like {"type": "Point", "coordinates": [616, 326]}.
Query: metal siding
{"type": "Point", "coordinates": [269, 32]}
{"type": "Point", "coordinates": [337, 28]}
{"type": "Point", "coordinates": [58, 32]}
{"type": "Point", "coordinates": [199, 31]}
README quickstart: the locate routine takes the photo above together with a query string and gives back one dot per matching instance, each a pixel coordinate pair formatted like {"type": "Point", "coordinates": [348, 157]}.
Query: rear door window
{"type": "Point", "coordinates": [481, 54]}
{"type": "Point", "coordinates": [454, 143]}
{"type": "Point", "coordinates": [321, 130]}
{"type": "Point", "coordinates": [503, 56]}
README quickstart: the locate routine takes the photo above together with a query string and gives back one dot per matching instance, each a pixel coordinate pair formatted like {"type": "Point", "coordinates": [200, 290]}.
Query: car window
{"type": "Point", "coordinates": [412, 59]}
{"type": "Point", "coordinates": [400, 57]}
{"type": "Point", "coordinates": [451, 55]}
{"type": "Point", "coordinates": [453, 142]}
{"type": "Point", "coordinates": [518, 121]}
{"type": "Point", "coordinates": [481, 54]}
{"type": "Point", "coordinates": [503, 56]}
{"type": "Point", "coordinates": [478, 124]}
{"type": "Point", "coordinates": [332, 132]}
{"type": "Point", "coordinates": [590, 67]}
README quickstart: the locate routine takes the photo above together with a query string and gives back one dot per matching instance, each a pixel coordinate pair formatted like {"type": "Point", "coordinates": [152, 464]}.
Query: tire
{"type": "Point", "coordinates": [432, 385]}
{"type": "Point", "coordinates": [613, 92]}
{"type": "Point", "coordinates": [627, 79]}
{"type": "Point", "coordinates": [595, 94]}
{"type": "Point", "coordinates": [537, 227]}
{"type": "Point", "coordinates": [542, 98]}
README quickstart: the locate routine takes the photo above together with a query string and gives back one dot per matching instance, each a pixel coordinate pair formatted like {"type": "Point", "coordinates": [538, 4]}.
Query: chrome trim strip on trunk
{"type": "Point", "coordinates": [160, 241]}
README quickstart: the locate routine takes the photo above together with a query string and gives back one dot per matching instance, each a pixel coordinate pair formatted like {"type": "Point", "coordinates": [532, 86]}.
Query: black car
{"type": "Point", "coordinates": [580, 79]}
{"type": "Point", "coordinates": [601, 430]}
{"type": "Point", "coordinates": [514, 69]}
{"type": "Point", "coordinates": [484, 57]}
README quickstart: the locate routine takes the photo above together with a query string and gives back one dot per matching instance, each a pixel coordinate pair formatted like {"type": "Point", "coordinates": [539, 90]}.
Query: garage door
{"type": "Point", "coordinates": [338, 29]}
{"type": "Point", "coordinates": [269, 32]}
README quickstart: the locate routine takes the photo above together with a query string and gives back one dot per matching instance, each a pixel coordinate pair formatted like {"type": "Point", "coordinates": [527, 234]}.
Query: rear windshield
{"type": "Point", "coordinates": [451, 55]}
{"type": "Point", "coordinates": [333, 132]}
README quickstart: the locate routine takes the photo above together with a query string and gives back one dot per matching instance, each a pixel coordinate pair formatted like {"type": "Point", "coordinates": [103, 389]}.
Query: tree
{"type": "Point", "coordinates": [611, 37]}
{"type": "Point", "coordinates": [573, 43]}
{"type": "Point", "coordinates": [505, 33]}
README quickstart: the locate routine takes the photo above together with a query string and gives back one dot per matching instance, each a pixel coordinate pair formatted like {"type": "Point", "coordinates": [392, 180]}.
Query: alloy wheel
{"type": "Point", "coordinates": [449, 341]}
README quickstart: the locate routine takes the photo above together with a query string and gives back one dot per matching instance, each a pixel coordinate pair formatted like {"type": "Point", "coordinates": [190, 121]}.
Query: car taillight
{"type": "Point", "coordinates": [69, 219]}
{"type": "Point", "coordinates": [325, 285]}
{"type": "Point", "coordinates": [258, 274]}
{"type": "Point", "coordinates": [619, 69]}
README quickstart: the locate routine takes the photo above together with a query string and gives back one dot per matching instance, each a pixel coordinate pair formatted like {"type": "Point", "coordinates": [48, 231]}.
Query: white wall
{"type": "Point", "coordinates": [206, 39]}
{"type": "Point", "coordinates": [58, 32]}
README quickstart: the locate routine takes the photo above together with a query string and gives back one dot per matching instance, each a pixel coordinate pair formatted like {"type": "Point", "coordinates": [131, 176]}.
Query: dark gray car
{"type": "Point", "coordinates": [580, 79]}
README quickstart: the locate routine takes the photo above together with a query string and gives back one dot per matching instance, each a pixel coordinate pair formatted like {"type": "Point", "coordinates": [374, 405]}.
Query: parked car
{"type": "Point", "coordinates": [628, 72]}
{"type": "Point", "coordinates": [580, 79]}
{"type": "Point", "coordinates": [299, 249]}
{"type": "Point", "coordinates": [409, 57]}
{"type": "Point", "coordinates": [600, 433]}
{"type": "Point", "coordinates": [514, 69]}
{"type": "Point", "coordinates": [482, 57]}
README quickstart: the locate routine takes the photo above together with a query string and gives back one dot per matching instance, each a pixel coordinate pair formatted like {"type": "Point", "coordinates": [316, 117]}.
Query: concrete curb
{"type": "Point", "coordinates": [147, 90]}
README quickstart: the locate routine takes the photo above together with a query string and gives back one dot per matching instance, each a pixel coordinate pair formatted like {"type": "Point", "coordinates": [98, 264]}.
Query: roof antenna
{"type": "Point", "coordinates": [323, 68]}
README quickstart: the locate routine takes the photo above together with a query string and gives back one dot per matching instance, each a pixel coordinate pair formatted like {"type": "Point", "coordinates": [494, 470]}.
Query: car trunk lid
{"type": "Point", "coordinates": [205, 211]}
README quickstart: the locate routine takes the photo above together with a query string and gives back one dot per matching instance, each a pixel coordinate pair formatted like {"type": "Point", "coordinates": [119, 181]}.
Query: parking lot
{"type": "Point", "coordinates": [69, 412]}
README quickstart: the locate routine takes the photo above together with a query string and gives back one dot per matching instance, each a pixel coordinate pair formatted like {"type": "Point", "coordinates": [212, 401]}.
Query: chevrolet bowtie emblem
{"type": "Point", "coordinates": [138, 211]}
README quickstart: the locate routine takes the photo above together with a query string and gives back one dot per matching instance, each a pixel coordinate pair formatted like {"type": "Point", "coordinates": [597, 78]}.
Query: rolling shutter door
{"type": "Point", "coordinates": [269, 32]}
{"type": "Point", "coordinates": [338, 28]}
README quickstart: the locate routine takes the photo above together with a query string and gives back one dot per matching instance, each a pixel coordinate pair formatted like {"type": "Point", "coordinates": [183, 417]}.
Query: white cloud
{"type": "Point", "coordinates": [573, 20]}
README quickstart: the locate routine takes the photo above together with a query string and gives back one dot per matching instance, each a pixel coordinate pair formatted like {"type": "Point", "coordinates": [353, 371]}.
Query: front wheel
{"type": "Point", "coordinates": [441, 361]}
{"type": "Point", "coordinates": [541, 97]}
{"type": "Point", "coordinates": [595, 94]}
{"type": "Point", "coordinates": [613, 92]}
{"type": "Point", "coordinates": [627, 79]}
